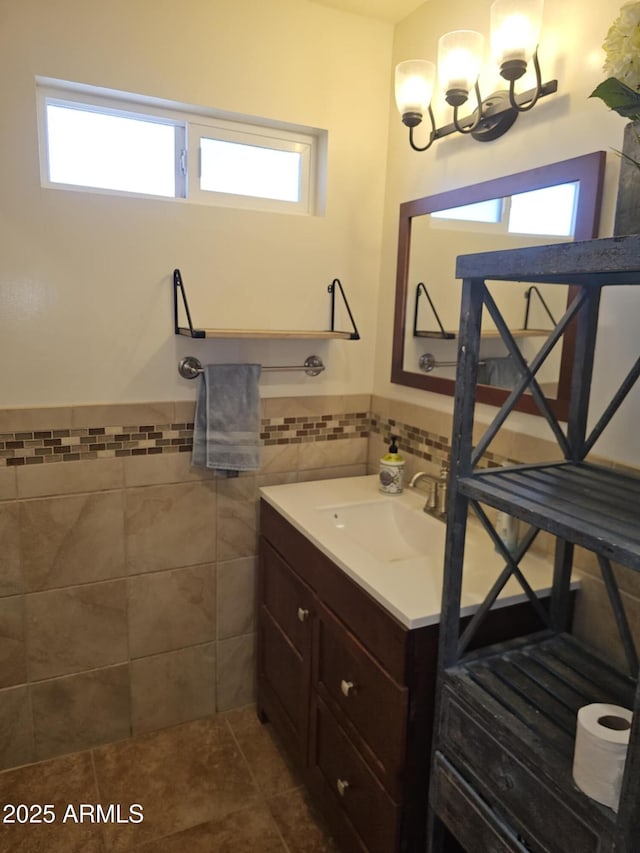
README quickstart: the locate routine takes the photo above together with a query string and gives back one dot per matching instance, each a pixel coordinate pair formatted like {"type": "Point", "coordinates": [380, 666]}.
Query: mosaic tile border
{"type": "Point", "coordinates": [73, 445]}
{"type": "Point", "coordinates": [426, 445]}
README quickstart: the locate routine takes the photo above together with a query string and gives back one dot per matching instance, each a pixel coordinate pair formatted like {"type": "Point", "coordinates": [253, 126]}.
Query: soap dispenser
{"type": "Point", "coordinates": [391, 470]}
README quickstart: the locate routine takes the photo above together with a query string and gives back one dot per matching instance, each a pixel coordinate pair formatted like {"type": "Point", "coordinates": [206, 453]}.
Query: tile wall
{"type": "Point", "coordinates": [127, 577]}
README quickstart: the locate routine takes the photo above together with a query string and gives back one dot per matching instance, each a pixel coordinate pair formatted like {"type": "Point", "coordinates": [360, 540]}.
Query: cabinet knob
{"type": "Point", "coordinates": [347, 687]}
{"type": "Point", "coordinates": [303, 614]}
{"type": "Point", "coordinates": [342, 785]}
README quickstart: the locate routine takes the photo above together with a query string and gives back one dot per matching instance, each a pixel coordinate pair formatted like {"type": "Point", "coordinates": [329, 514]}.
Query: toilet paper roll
{"type": "Point", "coordinates": [602, 736]}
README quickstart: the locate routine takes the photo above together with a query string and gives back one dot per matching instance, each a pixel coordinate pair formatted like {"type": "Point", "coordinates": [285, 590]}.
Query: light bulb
{"type": "Point", "coordinates": [515, 33]}
{"type": "Point", "coordinates": [414, 83]}
{"type": "Point", "coordinates": [459, 62]}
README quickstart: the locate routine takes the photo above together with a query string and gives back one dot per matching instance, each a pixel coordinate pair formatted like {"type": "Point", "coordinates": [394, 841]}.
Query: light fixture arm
{"type": "Point", "coordinates": [535, 93]}
{"type": "Point", "coordinates": [477, 115]}
{"type": "Point", "coordinates": [432, 134]}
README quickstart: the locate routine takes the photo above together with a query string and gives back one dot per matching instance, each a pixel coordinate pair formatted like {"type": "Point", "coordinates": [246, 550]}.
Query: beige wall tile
{"type": "Point", "coordinates": [277, 458]}
{"type": "Point", "coordinates": [71, 540]}
{"type": "Point", "coordinates": [236, 672]}
{"type": "Point", "coordinates": [123, 414]}
{"type": "Point", "coordinates": [11, 579]}
{"type": "Point", "coordinates": [170, 526]}
{"type": "Point", "coordinates": [527, 448]}
{"type": "Point", "coordinates": [27, 420]}
{"type": "Point", "coordinates": [236, 597]}
{"type": "Point", "coordinates": [237, 518]}
{"type": "Point", "coordinates": [333, 473]}
{"type": "Point", "coordinates": [329, 454]}
{"type": "Point", "coordinates": [294, 407]}
{"type": "Point", "coordinates": [171, 609]}
{"type": "Point", "coordinates": [65, 478]}
{"type": "Point", "coordinates": [8, 484]}
{"type": "Point", "coordinates": [162, 468]}
{"type": "Point", "coordinates": [595, 625]}
{"type": "Point", "coordinates": [81, 711]}
{"type": "Point", "coordinates": [13, 668]}
{"type": "Point", "coordinates": [16, 731]}
{"type": "Point", "coordinates": [173, 688]}
{"type": "Point", "coordinates": [77, 628]}
{"type": "Point", "coordinates": [185, 411]}
{"type": "Point", "coordinates": [276, 479]}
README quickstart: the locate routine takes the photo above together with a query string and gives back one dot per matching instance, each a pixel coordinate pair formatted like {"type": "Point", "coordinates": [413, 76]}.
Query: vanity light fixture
{"type": "Point", "coordinates": [515, 32]}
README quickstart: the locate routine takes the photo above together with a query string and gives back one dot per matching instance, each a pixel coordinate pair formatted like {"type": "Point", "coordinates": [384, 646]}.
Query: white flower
{"type": "Point", "coordinates": [622, 46]}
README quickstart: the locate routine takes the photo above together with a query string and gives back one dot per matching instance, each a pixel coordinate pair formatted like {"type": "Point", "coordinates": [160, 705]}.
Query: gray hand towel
{"type": "Point", "coordinates": [501, 372]}
{"type": "Point", "coordinates": [226, 434]}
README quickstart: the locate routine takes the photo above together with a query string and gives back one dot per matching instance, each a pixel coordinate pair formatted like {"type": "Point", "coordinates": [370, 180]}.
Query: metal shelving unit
{"type": "Point", "coordinates": [506, 715]}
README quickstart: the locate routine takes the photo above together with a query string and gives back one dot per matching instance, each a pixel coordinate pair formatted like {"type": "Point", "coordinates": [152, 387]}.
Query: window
{"type": "Point", "coordinates": [479, 211]}
{"type": "Point", "coordinates": [102, 141]}
{"type": "Point", "coordinates": [102, 150]}
{"type": "Point", "coordinates": [550, 210]}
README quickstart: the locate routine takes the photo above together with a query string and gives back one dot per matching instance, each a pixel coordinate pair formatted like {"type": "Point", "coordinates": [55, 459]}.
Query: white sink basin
{"type": "Point", "coordinates": [388, 529]}
{"type": "Point", "coordinates": [393, 549]}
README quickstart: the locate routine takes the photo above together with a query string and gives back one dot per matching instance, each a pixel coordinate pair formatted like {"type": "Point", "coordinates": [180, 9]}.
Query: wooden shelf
{"type": "Point", "coordinates": [527, 692]}
{"type": "Point", "coordinates": [448, 336]}
{"type": "Point", "coordinates": [264, 333]}
{"type": "Point", "coordinates": [492, 334]}
{"type": "Point", "coordinates": [517, 333]}
{"type": "Point", "coordinates": [595, 507]}
{"type": "Point", "coordinates": [190, 331]}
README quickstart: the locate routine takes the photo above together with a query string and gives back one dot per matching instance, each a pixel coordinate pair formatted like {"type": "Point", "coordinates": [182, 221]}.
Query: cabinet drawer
{"type": "Point", "coordinates": [283, 687]}
{"type": "Point", "coordinates": [371, 700]}
{"type": "Point", "coordinates": [355, 790]}
{"type": "Point", "coordinates": [524, 798]}
{"type": "Point", "coordinates": [288, 600]}
{"type": "Point", "coordinates": [467, 816]}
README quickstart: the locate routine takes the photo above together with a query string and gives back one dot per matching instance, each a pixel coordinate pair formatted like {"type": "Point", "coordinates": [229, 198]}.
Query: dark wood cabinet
{"type": "Point", "coordinates": [350, 691]}
{"type": "Point", "coordinates": [285, 626]}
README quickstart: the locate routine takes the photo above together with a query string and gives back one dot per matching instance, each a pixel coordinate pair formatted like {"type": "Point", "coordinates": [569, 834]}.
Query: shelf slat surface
{"type": "Point", "coordinates": [539, 686]}
{"type": "Point", "coordinates": [589, 505]}
{"type": "Point", "coordinates": [268, 333]}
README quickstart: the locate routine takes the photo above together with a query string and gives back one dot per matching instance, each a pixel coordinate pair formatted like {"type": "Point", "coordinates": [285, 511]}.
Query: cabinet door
{"type": "Point", "coordinates": [346, 675]}
{"type": "Point", "coordinates": [284, 644]}
{"type": "Point", "coordinates": [357, 807]}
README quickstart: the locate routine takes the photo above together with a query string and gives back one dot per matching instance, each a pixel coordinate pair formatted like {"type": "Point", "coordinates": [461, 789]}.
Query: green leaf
{"type": "Point", "coordinates": [619, 97]}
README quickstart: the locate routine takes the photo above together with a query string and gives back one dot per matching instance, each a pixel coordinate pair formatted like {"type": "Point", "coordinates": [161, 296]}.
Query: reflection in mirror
{"type": "Point", "coordinates": [550, 204]}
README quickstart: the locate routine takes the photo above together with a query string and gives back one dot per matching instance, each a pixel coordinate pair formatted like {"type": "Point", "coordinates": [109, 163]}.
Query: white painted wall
{"type": "Point", "coordinates": [85, 292]}
{"type": "Point", "coordinates": [85, 279]}
{"type": "Point", "coordinates": [564, 125]}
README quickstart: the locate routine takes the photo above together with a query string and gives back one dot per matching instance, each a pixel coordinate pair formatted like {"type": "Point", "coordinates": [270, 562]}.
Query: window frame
{"type": "Point", "coordinates": [191, 124]}
{"type": "Point", "coordinates": [262, 137]}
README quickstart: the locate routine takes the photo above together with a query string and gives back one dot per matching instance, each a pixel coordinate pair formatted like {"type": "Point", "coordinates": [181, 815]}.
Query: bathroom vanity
{"type": "Point", "coordinates": [347, 639]}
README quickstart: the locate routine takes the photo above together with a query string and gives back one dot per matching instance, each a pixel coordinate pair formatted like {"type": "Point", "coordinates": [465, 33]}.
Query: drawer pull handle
{"type": "Point", "coordinates": [342, 786]}
{"type": "Point", "coordinates": [303, 614]}
{"type": "Point", "coordinates": [347, 687]}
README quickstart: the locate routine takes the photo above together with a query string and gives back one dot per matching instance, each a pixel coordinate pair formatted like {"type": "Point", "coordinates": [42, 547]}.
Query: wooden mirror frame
{"type": "Point", "coordinates": [589, 171]}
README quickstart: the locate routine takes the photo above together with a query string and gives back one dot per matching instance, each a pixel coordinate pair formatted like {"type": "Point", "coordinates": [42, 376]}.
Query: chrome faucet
{"type": "Point", "coordinates": [431, 502]}
{"type": "Point", "coordinates": [436, 502]}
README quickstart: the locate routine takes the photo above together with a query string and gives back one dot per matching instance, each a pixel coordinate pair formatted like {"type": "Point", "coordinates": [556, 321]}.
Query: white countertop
{"type": "Point", "coordinates": [408, 586]}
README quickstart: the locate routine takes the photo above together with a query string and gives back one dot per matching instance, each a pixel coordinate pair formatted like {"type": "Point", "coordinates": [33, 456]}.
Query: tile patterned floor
{"type": "Point", "coordinates": [217, 785]}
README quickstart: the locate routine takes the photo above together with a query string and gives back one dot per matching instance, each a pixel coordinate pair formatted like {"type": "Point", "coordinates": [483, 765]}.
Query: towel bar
{"type": "Point", "coordinates": [427, 362]}
{"type": "Point", "coordinates": [190, 367]}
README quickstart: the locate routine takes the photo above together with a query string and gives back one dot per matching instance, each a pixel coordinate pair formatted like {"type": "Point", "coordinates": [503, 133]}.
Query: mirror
{"type": "Point", "coordinates": [489, 216]}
